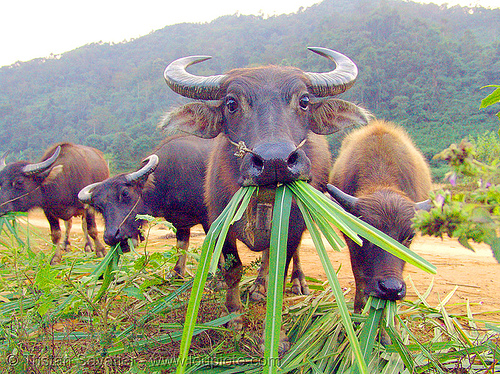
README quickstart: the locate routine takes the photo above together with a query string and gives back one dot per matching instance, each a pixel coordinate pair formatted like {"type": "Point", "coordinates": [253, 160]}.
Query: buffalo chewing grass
{"type": "Point", "coordinates": [321, 215]}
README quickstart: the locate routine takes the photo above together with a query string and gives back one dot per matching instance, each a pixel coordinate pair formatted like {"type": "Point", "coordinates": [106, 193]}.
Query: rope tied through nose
{"type": "Point", "coordinates": [20, 196]}
{"type": "Point", "coordinates": [241, 147]}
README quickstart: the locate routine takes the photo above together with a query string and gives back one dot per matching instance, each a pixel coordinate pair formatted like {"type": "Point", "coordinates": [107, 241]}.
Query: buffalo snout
{"type": "Point", "coordinates": [273, 163]}
{"type": "Point", "coordinates": [388, 288]}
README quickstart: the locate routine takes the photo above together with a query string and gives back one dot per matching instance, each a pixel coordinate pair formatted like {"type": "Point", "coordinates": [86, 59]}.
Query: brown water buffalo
{"type": "Point", "coordinates": [268, 123]}
{"type": "Point", "coordinates": [382, 178]}
{"type": "Point", "coordinates": [174, 191]}
{"type": "Point", "coordinates": [53, 185]}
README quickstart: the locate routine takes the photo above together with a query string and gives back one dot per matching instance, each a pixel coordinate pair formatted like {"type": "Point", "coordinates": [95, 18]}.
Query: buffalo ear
{"type": "Point", "coordinates": [49, 176]}
{"type": "Point", "coordinates": [331, 115]}
{"type": "Point", "coordinates": [150, 182]}
{"type": "Point", "coordinates": [203, 119]}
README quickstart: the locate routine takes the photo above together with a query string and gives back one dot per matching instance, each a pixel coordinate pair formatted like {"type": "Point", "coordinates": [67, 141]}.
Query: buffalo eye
{"type": "Point", "coordinates": [407, 241]}
{"type": "Point", "coordinates": [231, 104]}
{"type": "Point", "coordinates": [17, 183]}
{"type": "Point", "coordinates": [304, 102]}
{"type": "Point", "coordinates": [124, 196]}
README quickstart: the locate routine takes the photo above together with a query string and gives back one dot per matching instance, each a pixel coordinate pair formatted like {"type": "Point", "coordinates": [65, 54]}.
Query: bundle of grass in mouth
{"type": "Point", "coordinates": [321, 215]}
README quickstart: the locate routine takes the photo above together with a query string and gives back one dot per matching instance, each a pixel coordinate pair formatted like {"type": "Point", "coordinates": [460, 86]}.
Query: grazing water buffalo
{"type": "Point", "coordinates": [53, 185]}
{"type": "Point", "coordinates": [382, 178]}
{"type": "Point", "coordinates": [268, 122]}
{"type": "Point", "coordinates": [175, 192]}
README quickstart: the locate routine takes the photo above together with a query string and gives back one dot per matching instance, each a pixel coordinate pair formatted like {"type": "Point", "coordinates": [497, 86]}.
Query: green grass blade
{"type": "Point", "coordinates": [108, 275]}
{"type": "Point", "coordinates": [368, 232]}
{"type": "Point", "coordinates": [315, 203]}
{"type": "Point", "coordinates": [277, 259]}
{"type": "Point", "coordinates": [331, 275]}
{"type": "Point", "coordinates": [215, 233]}
{"type": "Point", "coordinates": [231, 215]}
{"type": "Point", "coordinates": [370, 328]}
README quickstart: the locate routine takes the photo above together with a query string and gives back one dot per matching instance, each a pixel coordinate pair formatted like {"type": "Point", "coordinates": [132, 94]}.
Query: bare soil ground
{"type": "Point", "coordinates": [476, 274]}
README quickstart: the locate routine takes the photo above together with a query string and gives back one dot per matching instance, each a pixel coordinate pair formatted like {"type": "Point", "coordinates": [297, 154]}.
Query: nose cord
{"type": "Point", "coordinates": [20, 196]}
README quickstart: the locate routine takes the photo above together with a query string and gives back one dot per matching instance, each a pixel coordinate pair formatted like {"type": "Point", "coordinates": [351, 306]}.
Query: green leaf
{"type": "Point", "coordinates": [134, 292]}
{"type": "Point", "coordinates": [214, 234]}
{"type": "Point", "coordinates": [277, 260]}
{"type": "Point", "coordinates": [370, 327]}
{"type": "Point", "coordinates": [492, 98]}
{"type": "Point", "coordinates": [377, 237]}
{"type": "Point", "coordinates": [331, 275]}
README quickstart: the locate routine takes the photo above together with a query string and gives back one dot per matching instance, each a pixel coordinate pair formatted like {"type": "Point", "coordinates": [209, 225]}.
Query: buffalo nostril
{"type": "Point", "coordinates": [391, 289]}
{"type": "Point", "coordinates": [257, 162]}
{"type": "Point", "coordinates": [292, 159]}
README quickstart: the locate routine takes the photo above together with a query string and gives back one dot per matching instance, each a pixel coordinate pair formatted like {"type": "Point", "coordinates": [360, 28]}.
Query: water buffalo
{"type": "Point", "coordinates": [53, 185]}
{"type": "Point", "coordinates": [268, 123]}
{"type": "Point", "coordinates": [382, 178]}
{"type": "Point", "coordinates": [175, 192]}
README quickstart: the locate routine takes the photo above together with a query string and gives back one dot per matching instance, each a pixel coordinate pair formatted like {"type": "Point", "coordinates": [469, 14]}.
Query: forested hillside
{"type": "Point", "coordinates": [419, 65]}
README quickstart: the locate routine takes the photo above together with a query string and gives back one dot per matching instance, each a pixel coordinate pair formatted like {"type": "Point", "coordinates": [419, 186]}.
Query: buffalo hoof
{"type": "Point", "coordinates": [100, 252]}
{"type": "Point", "coordinates": [258, 290]}
{"type": "Point", "coordinates": [284, 343]}
{"type": "Point", "coordinates": [66, 246]}
{"type": "Point", "coordinates": [384, 338]}
{"type": "Point", "coordinates": [299, 287]}
{"type": "Point", "coordinates": [236, 324]}
{"type": "Point", "coordinates": [88, 247]}
{"type": "Point", "coordinates": [56, 259]}
{"type": "Point", "coordinates": [178, 272]}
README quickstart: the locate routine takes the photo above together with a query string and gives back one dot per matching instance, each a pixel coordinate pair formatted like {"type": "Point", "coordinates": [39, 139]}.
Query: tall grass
{"type": "Point", "coordinates": [123, 314]}
{"type": "Point", "coordinates": [320, 214]}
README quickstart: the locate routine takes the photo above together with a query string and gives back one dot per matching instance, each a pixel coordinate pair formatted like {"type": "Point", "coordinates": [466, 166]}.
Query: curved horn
{"type": "Point", "coordinates": [345, 200]}
{"type": "Point", "coordinates": [85, 194]}
{"type": "Point", "coordinates": [152, 162]}
{"type": "Point", "coordinates": [424, 205]}
{"type": "Point", "coordinates": [39, 167]}
{"type": "Point", "coordinates": [193, 86]}
{"type": "Point", "coordinates": [2, 160]}
{"type": "Point", "coordinates": [336, 81]}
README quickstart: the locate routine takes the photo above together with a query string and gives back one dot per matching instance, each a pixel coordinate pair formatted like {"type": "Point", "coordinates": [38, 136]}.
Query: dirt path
{"type": "Point", "coordinates": [476, 274]}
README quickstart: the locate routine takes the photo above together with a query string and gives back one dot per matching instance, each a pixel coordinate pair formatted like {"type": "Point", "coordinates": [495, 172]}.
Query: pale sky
{"type": "Point", "coordinates": [37, 28]}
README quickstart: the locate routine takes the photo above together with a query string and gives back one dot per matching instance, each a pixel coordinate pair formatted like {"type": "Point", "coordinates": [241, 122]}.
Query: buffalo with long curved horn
{"type": "Point", "coordinates": [39, 167]}
{"type": "Point", "coordinates": [151, 162]}
{"type": "Point", "coordinates": [267, 123]}
{"type": "Point", "coordinates": [53, 184]}
{"type": "Point", "coordinates": [331, 83]}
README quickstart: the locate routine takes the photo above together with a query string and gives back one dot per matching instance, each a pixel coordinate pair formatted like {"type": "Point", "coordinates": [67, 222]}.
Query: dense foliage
{"type": "Point", "coordinates": [420, 65]}
{"type": "Point", "coordinates": [469, 208]}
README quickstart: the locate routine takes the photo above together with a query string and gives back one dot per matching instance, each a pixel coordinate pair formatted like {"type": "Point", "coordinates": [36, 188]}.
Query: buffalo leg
{"type": "Point", "coordinates": [299, 285]}
{"type": "Point", "coordinates": [233, 270]}
{"type": "Point", "coordinates": [182, 236]}
{"type": "Point", "coordinates": [258, 290]}
{"type": "Point", "coordinates": [55, 235]}
{"type": "Point", "coordinates": [68, 224]}
{"type": "Point", "coordinates": [91, 230]}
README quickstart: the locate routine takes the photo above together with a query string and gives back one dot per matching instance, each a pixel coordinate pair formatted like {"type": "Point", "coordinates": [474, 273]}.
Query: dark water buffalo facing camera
{"type": "Point", "coordinates": [268, 123]}
{"type": "Point", "coordinates": [53, 185]}
{"type": "Point", "coordinates": [169, 184]}
{"type": "Point", "coordinates": [382, 178]}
